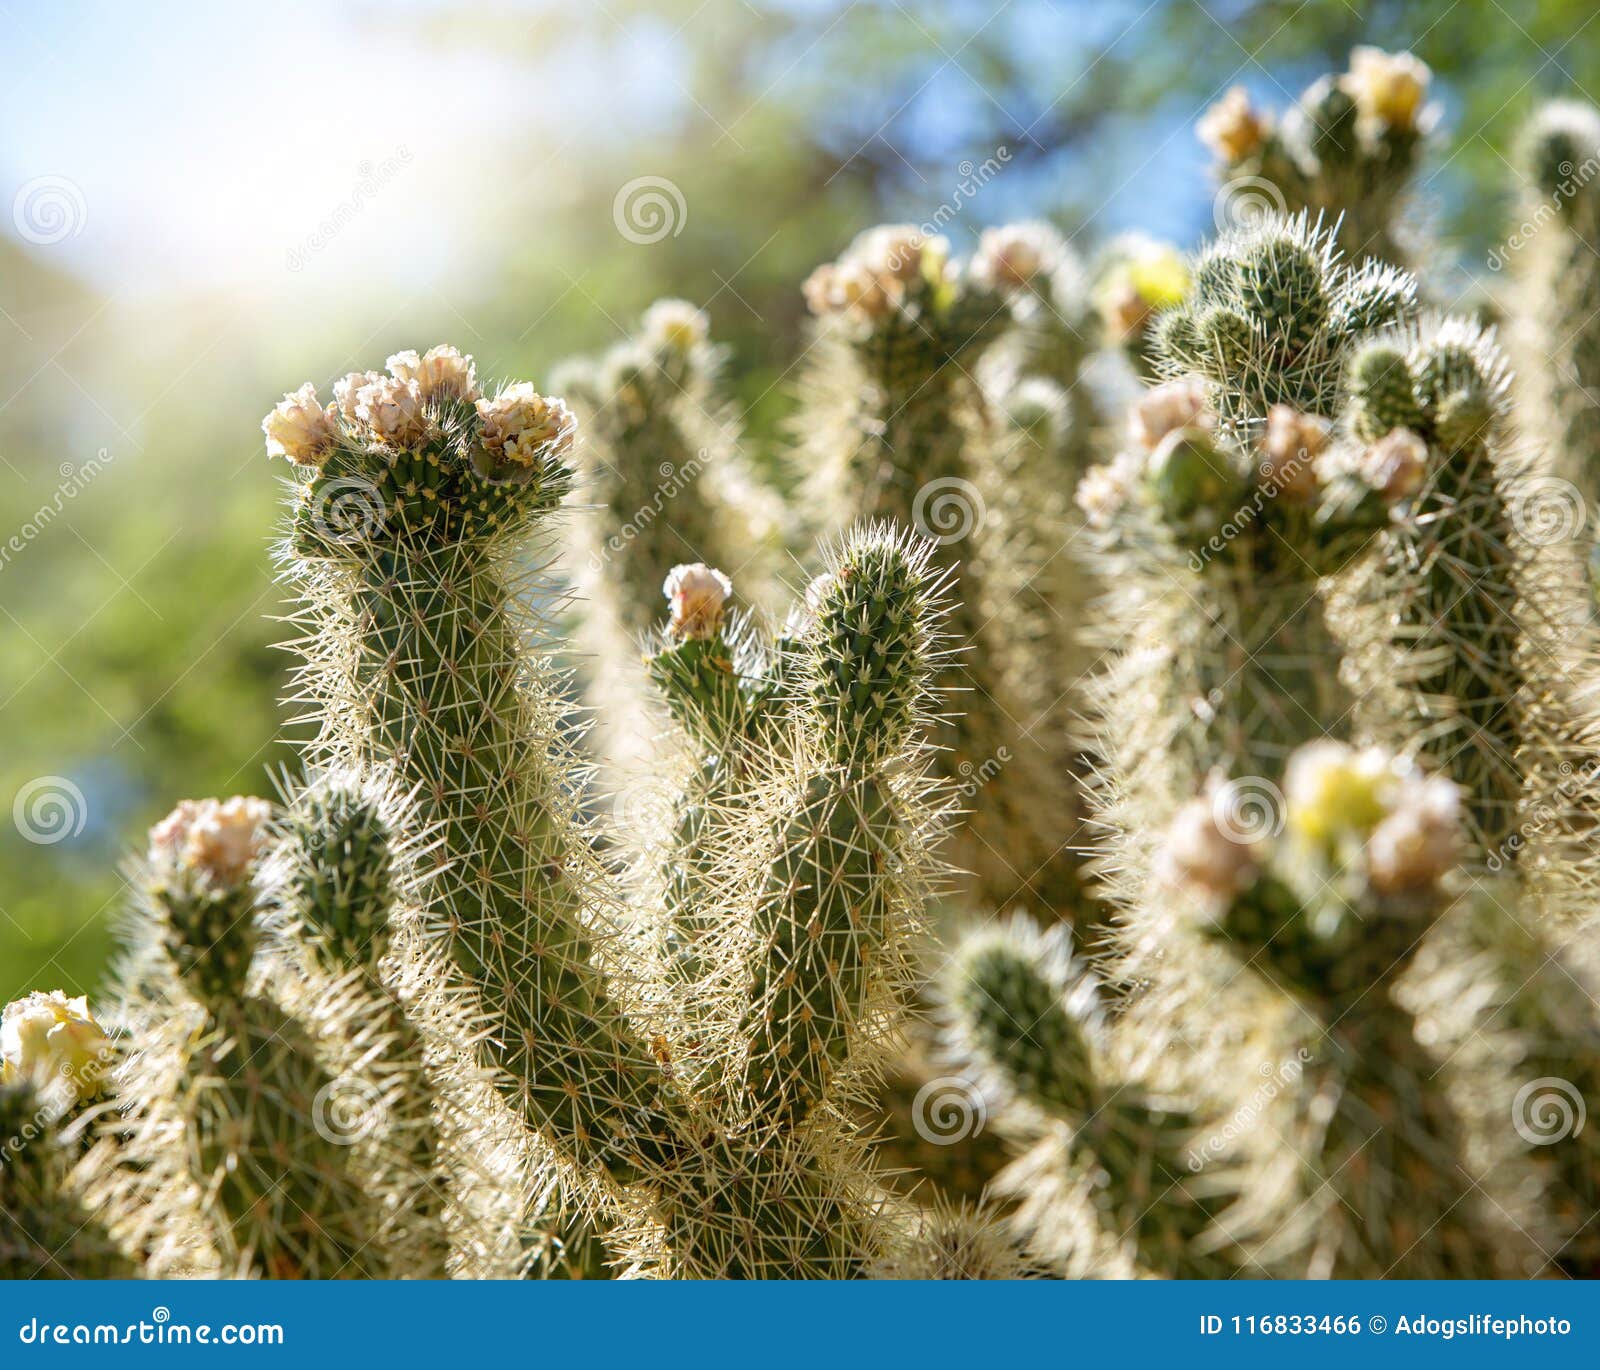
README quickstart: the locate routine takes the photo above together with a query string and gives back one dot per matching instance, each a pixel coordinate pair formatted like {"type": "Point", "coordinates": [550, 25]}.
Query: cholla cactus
{"type": "Point", "coordinates": [259, 1117]}
{"type": "Point", "coordinates": [1213, 549]}
{"type": "Point", "coordinates": [1463, 631]}
{"type": "Point", "coordinates": [659, 456]}
{"type": "Point", "coordinates": [1272, 315]}
{"type": "Point", "coordinates": [894, 425]}
{"type": "Point", "coordinates": [1176, 1156]}
{"type": "Point", "coordinates": [737, 1157]}
{"type": "Point", "coordinates": [1557, 300]}
{"type": "Point", "coordinates": [347, 877]}
{"type": "Point", "coordinates": [1348, 149]}
{"type": "Point", "coordinates": [1333, 913]}
{"type": "Point", "coordinates": [48, 1229]}
{"type": "Point", "coordinates": [1103, 1187]}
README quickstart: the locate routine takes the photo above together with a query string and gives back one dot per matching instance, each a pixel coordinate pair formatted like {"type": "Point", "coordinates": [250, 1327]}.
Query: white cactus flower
{"type": "Point", "coordinates": [697, 594]}
{"type": "Point", "coordinates": [299, 429]}
{"type": "Point", "coordinates": [522, 426]}
{"type": "Point", "coordinates": [1231, 128]}
{"type": "Point", "coordinates": [215, 838]}
{"type": "Point", "coordinates": [443, 373]}
{"type": "Point", "coordinates": [1388, 87]}
{"type": "Point", "coordinates": [55, 1042]}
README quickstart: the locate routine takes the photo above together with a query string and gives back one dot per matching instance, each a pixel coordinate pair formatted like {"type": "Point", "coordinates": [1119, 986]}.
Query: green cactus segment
{"type": "Point", "coordinates": [1381, 393]}
{"type": "Point", "coordinates": [823, 917]}
{"type": "Point", "coordinates": [1028, 1014]}
{"type": "Point", "coordinates": [271, 1142]}
{"type": "Point", "coordinates": [1556, 309]}
{"type": "Point", "coordinates": [460, 716]}
{"type": "Point", "coordinates": [211, 934]}
{"type": "Point", "coordinates": [342, 873]}
{"type": "Point", "coordinates": [343, 885]}
{"type": "Point", "coordinates": [1450, 586]}
{"type": "Point", "coordinates": [47, 1230]}
{"type": "Point", "coordinates": [870, 649]}
{"type": "Point", "coordinates": [1272, 315]}
{"type": "Point", "coordinates": [834, 906]}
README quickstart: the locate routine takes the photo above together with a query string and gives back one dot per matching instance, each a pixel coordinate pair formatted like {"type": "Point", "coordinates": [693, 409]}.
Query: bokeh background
{"type": "Point", "coordinates": [210, 204]}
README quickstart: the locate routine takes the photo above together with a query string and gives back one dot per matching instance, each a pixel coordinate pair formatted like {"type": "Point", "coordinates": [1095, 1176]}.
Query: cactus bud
{"type": "Point", "coordinates": [55, 1042]}
{"type": "Point", "coordinates": [1191, 481]}
{"type": "Point", "coordinates": [1381, 392]}
{"type": "Point", "coordinates": [1388, 87]}
{"type": "Point", "coordinates": [1419, 840]}
{"type": "Point", "coordinates": [1395, 465]}
{"type": "Point", "coordinates": [697, 594]}
{"type": "Point", "coordinates": [1231, 128]}
{"type": "Point", "coordinates": [201, 856]}
{"type": "Point", "coordinates": [1167, 408]}
{"type": "Point", "coordinates": [300, 429]}
{"type": "Point", "coordinates": [1291, 446]}
{"type": "Point", "coordinates": [1203, 855]}
{"type": "Point", "coordinates": [1016, 256]}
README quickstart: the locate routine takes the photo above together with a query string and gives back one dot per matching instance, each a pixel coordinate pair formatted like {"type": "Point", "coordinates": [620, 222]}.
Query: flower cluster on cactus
{"type": "Point", "coordinates": [1348, 149]}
